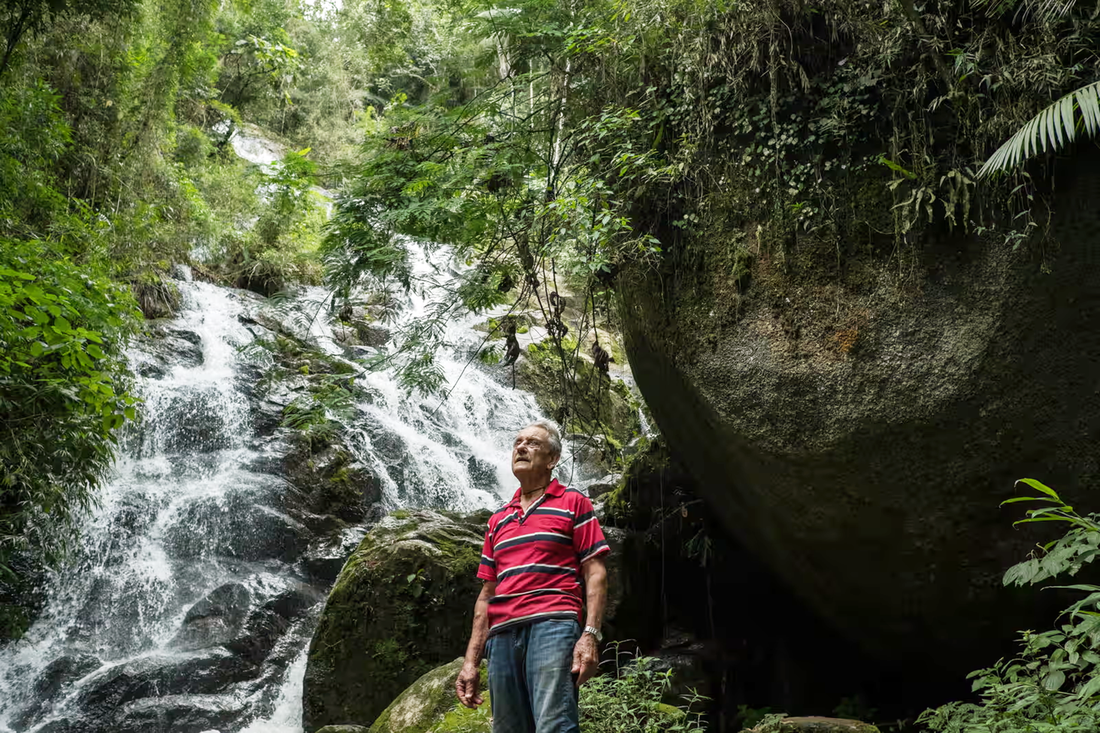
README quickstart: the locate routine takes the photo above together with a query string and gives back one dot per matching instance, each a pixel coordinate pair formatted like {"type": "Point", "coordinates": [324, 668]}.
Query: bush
{"type": "Point", "coordinates": [1053, 685]}
{"type": "Point", "coordinates": [63, 392]}
{"type": "Point", "coordinates": [630, 701]}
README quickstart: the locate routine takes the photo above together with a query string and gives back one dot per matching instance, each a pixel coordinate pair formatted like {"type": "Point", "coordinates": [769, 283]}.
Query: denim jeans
{"type": "Point", "coordinates": [531, 684]}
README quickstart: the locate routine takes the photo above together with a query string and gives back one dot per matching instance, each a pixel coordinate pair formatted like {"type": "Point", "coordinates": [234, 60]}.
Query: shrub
{"type": "Point", "coordinates": [1053, 684]}
{"type": "Point", "coordinates": [630, 701]}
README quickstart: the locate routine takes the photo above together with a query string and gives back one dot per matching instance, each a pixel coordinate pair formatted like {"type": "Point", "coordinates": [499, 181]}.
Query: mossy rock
{"type": "Point", "coordinates": [430, 706]}
{"type": "Point", "coordinates": [343, 729]}
{"type": "Point", "coordinates": [594, 403]}
{"type": "Point", "coordinates": [403, 604]}
{"type": "Point", "coordinates": [814, 724]}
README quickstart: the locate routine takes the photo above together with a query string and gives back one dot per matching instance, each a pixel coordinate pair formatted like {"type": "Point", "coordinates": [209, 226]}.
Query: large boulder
{"type": "Point", "coordinates": [402, 605]}
{"type": "Point", "coordinates": [429, 705]}
{"type": "Point", "coordinates": [857, 429]}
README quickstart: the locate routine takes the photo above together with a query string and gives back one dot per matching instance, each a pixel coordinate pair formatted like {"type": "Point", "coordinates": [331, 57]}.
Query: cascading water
{"type": "Point", "coordinates": [191, 601]}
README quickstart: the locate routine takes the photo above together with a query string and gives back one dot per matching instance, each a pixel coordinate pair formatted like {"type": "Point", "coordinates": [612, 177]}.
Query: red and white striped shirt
{"type": "Point", "coordinates": [535, 558]}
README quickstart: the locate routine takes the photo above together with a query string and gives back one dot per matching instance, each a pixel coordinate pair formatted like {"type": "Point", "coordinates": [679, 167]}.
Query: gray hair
{"type": "Point", "coordinates": [552, 430]}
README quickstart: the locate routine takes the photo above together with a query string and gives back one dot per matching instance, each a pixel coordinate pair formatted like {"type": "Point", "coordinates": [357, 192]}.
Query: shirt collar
{"type": "Point", "coordinates": [554, 488]}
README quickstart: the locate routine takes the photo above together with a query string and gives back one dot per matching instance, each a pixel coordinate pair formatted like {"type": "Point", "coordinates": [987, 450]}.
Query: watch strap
{"type": "Point", "coordinates": [594, 631]}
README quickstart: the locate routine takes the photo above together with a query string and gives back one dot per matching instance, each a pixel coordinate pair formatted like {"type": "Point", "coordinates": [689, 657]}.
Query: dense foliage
{"type": "Point", "coordinates": [583, 146]}
{"type": "Point", "coordinates": [116, 162]}
{"type": "Point", "coordinates": [1054, 682]}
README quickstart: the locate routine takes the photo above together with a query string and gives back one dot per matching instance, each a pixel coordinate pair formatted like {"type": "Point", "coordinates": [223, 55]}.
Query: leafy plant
{"type": "Point", "coordinates": [1049, 131]}
{"type": "Point", "coordinates": [1053, 684]}
{"type": "Point", "coordinates": [628, 699]}
{"type": "Point", "coordinates": [63, 392]}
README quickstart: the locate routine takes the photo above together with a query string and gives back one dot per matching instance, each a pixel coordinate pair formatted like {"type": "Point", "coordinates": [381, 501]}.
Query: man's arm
{"type": "Point", "coordinates": [469, 679]}
{"type": "Point", "coordinates": [586, 655]}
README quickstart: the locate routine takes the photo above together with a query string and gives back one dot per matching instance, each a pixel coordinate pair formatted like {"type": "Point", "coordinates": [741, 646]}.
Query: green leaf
{"type": "Point", "coordinates": [1040, 486]}
{"type": "Point", "coordinates": [1049, 131]}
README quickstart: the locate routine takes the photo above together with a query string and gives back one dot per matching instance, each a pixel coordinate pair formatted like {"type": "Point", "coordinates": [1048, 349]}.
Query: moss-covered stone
{"type": "Point", "coordinates": [429, 705]}
{"type": "Point", "coordinates": [343, 729]}
{"type": "Point", "coordinates": [402, 605]}
{"type": "Point", "coordinates": [589, 402]}
{"type": "Point", "coordinates": [814, 724]}
{"type": "Point", "coordinates": [327, 479]}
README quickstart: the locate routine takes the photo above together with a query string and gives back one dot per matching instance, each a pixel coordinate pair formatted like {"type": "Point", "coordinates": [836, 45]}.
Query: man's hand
{"type": "Point", "coordinates": [469, 679]}
{"type": "Point", "coordinates": [586, 659]}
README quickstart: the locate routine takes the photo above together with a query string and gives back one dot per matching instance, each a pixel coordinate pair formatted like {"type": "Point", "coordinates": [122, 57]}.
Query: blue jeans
{"type": "Point", "coordinates": [531, 684]}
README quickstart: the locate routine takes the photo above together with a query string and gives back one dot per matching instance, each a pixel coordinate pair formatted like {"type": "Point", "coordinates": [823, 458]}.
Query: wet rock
{"type": "Point", "coordinates": [329, 481]}
{"type": "Point", "coordinates": [53, 679]}
{"type": "Point", "coordinates": [261, 633]}
{"type": "Point", "coordinates": [429, 705]}
{"type": "Point", "coordinates": [102, 696]}
{"type": "Point", "coordinates": [166, 348]}
{"type": "Point", "coordinates": [237, 527]}
{"type": "Point", "coordinates": [402, 605]}
{"type": "Point", "coordinates": [372, 335]}
{"type": "Point", "coordinates": [482, 473]}
{"type": "Point", "coordinates": [604, 485]}
{"type": "Point", "coordinates": [292, 603]}
{"type": "Point", "coordinates": [215, 619]}
{"type": "Point", "coordinates": [344, 729]}
{"type": "Point", "coordinates": [176, 713]}
{"type": "Point", "coordinates": [62, 671]}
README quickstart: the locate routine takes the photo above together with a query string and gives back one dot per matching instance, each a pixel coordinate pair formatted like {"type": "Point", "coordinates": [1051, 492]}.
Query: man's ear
{"type": "Point", "coordinates": [554, 462]}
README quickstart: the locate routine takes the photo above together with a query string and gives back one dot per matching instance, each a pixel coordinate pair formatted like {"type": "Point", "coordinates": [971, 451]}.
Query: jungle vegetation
{"type": "Point", "coordinates": [553, 144]}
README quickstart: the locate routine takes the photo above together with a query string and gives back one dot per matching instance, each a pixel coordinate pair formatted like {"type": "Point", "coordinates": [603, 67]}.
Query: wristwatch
{"type": "Point", "coordinates": [594, 631]}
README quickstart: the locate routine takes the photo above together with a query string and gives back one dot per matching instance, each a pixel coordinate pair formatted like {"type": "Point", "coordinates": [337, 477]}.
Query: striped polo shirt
{"type": "Point", "coordinates": [535, 558]}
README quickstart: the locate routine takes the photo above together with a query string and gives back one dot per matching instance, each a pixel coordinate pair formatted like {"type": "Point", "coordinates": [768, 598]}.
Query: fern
{"type": "Point", "coordinates": [1050, 130]}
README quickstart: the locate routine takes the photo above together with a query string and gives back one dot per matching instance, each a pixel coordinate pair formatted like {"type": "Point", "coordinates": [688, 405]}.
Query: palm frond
{"type": "Point", "coordinates": [1050, 130]}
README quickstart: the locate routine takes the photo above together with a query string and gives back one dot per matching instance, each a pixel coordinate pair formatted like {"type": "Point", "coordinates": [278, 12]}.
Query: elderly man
{"type": "Point", "coordinates": [538, 547]}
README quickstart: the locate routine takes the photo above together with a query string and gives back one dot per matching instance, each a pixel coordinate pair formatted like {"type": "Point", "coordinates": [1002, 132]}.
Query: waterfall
{"type": "Point", "coordinates": [163, 619]}
{"type": "Point", "coordinates": [190, 602]}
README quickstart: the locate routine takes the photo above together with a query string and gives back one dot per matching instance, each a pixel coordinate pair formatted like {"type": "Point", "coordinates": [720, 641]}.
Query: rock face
{"type": "Point", "coordinates": [430, 706]}
{"type": "Point", "coordinates": [402, 605]}
{"type": "Point", "coordinates": [858, 434]}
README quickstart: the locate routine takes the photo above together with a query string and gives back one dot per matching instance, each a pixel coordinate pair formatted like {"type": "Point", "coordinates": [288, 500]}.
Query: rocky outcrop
{"type": "Point", "coordinates": [429, 705]}
{"type": "Point", "coordinates": [402, 605]}
{"type": "Point", "coordinates": [857, 430]}
{"type": "Point", "coordinates": [813, 724]}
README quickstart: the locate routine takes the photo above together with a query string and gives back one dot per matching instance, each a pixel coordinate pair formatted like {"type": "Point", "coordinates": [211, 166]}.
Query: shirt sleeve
{"type": "Point", "coordinates": [588, 538]}
{"type": "Point", "coordinates": [487, 570]}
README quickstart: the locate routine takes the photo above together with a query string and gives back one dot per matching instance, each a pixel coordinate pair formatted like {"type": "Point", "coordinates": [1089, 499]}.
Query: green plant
{"type": "Point", "coordinates": [1053, 684]}
{"type": "Point", "coordinates": [628, 699]}
{"type": "Point", "coordinates": [63, 392]}
{"type": "Point", "coordinates": [1049, 131]}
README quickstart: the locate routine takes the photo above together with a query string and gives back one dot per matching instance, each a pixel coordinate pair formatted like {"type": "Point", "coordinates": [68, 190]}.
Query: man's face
{"type": "Point", "coordinates": [531, 454]}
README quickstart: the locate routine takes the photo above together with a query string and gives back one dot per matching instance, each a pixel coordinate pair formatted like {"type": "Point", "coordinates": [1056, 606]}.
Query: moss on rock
{"type": "Point", "coordinates": [589, 402]}
{"type": "Point", "coordinates": [813, 724]}
{"type": "Point", "coordinates": [402, 605]}
{"type": "Point", "coordinates": [429, 705]}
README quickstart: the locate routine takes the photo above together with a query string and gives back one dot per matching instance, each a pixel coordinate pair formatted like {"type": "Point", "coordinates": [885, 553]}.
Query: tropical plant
{"type": "Point", "coordinates": [1051, 130]}
{"type": "Point", "coordinates": [1053, 684]}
